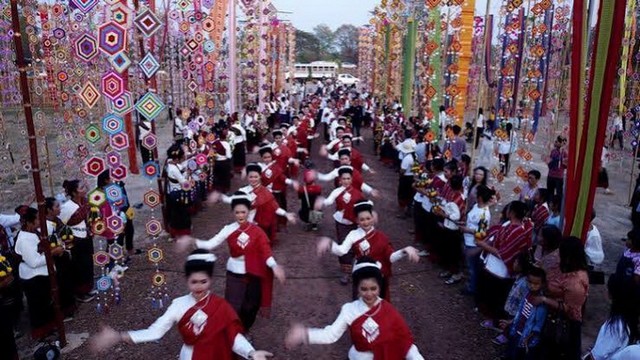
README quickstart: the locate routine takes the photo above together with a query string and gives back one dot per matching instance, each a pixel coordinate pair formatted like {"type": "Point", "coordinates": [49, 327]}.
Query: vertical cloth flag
{"type": "Point", "coordinates": [590, 103]}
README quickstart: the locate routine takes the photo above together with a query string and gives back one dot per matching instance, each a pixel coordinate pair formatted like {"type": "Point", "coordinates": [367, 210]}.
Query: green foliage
{"type": "Point", "coordinates": [324, 44]}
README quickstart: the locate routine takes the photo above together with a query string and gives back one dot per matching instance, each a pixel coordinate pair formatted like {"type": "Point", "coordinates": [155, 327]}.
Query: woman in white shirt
{"type": "Point", "coordinates": [621, 328]}
{"type": "Point", "coordinates": [478, 220]}
{"type": "Point", "coordinates": [35, 275]}
{"type": "Point", "coordinates": [479, 127]}
{"type": "Point", "coordinates": [506, 146]}
{"type": "Point", "coordinates": [59, 235]}
{"type": "Point", "coordinates": [251, 266]}
{"type": "Point", "coordinates": [74, 214]}
{"type": "Point", "coordinates": [177, 198]}
{"type": "Point", "coordinates": [206, 322]}
{"type": "Point", "coordinates": [405, 182]}
{"type": "Point", "coordinates": [377, 329]}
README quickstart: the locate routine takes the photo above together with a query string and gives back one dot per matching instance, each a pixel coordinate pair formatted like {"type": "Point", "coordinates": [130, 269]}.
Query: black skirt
{"type": "Point", "coordinates": [177, 207]}
{"type": "Point", "coordinates": [603, 178]}
{"type": "Point", "coordinates": [244, 294]}
{"type": "Point", "coordinates": [405, 190]}
{"type": "Point", "coordinates": [222, 175]}
{"type": "Point", "coordinates": [40, 304]}
{"type": "Point", "coordinates": [82, 265]}
{"type": "Point", "coordinates": [64, 275]}
{"type": "Point", "coordinates": [239, 156]}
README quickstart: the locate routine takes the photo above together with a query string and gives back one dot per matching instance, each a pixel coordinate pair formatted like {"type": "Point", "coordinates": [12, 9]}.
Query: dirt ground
{"type": "Point", "coordinates": [442, 321]}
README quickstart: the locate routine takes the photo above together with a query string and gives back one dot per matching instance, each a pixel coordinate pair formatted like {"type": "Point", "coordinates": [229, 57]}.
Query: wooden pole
{"type": "Point", "coordinates": [35, 167]}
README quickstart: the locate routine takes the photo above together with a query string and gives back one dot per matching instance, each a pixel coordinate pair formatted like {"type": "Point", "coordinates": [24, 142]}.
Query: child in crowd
{"type": "Point", "coordinates": [530, 188]}
{"type": "Point", "coordinates": [540, 212]}
{"type": "Point", "coordinates": [554, 207]}
{"type": "Point", "coordinates": [519, 290]}
{"type": "Point", "coordinates": [526, 327]}
{"type": "Point", "coordinates": [593, 245]}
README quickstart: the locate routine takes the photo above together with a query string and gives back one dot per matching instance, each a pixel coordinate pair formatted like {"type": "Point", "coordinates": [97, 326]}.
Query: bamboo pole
{"type": "Point", "coordinates": [35, 167]}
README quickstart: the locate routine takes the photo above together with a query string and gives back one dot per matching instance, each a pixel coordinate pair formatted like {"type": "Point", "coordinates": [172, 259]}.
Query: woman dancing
{"type": "Point", "coordinates": [366, 240]}
{"type": "Point", "coordinates": [209, 327]}
{"type": "Point", "coordinates": [251, 266]}
{"type": "Point", "coordinates": [377, 329]}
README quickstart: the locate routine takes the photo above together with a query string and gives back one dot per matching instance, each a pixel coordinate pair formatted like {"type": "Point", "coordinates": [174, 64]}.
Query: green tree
{"type": "Point", "coordinates": [307, 47]}
{"type": "Point", "coordinates": [346, 41]}
{"type": "Point", "coordinates": [326, 37]}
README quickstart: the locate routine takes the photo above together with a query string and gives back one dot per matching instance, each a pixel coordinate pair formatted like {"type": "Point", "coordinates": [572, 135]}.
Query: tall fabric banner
{"type": "Point", "coordinates": [588, 119]}
{"type": "Point", "coordinates": [409, 67]}
{"type": "Point", "coordinates": [464, 61]}
{"type": "Point", "coordinates": [629, 25]}
{"type": "Point", "coordinates": [488, 28]}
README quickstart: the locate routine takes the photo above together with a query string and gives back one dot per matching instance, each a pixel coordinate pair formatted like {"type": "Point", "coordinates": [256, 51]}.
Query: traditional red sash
{"type": "Point", "coordinates": [391, 339]}
{"type": "Point", "coordinates": [380, 249]}
{"type": "Point", "coordinates": [256, 252]}
{"type": "Point", "coordinates": [276, 177]}
{"type": "Point", "coordinates": [265, 205]}
{"type": "Point", "coordinates": [215, 340]}
{"type": "Point", "coordinates": [356, 159]}
{"type": "Point", "coordinates": [347, 209]}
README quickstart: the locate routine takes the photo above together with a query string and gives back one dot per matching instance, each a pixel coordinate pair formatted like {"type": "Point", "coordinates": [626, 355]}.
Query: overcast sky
{"type": "Point", "coordinates": [306, 14]}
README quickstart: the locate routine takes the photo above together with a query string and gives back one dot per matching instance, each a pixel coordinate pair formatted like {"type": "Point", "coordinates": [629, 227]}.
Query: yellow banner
{"type": "Point", "coordinates": [464, 61]}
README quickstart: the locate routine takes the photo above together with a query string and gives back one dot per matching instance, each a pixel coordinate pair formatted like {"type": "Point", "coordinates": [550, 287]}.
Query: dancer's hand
{"type": "Point", "coordinates": [323, 151]}
{"type": "Point", "coordinates": [324, 245]}
{"type": "Point", "coordinates": [278, 272]}
{"type": "Point", "coordinates": [376, 194]}
{"type": "Point", "coordinates": [296, 336]}
{"type": "Point", "coordinates": [412, 254]}
{"type": "Point", "coordinates": [106, 338]}
{"type": "Point", "coordinates": [319, 204]}
{"type": "Point", "coordinates": [214, 197]}
{"type": "Point", "coordinates": [291, 218]}
{"type": "Point", "coordinates": [185, 243]}
{"type": "Point", "coordinates": [260, 355]}
{"type": "Point", "coordinates": [296, 185]}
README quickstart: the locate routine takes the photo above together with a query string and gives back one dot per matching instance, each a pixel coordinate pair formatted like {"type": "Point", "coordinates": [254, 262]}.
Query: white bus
{"type": "Point", "coordinates": [316, 70]}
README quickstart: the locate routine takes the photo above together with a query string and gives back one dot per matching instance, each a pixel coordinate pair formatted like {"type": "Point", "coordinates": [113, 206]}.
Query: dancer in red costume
{"type": "Point", "coordinates": [344, 198]}
{"type": "Point", "coordinates": [208, 325]}
{"type": "Point", "coordinates": [264, 207]}
{"type": "Point", "coordinates": [251, 267]}
{"type": "Point", "coordinates": [366, 240]}
{"type": "Point", "coordinates": [377, 329]}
